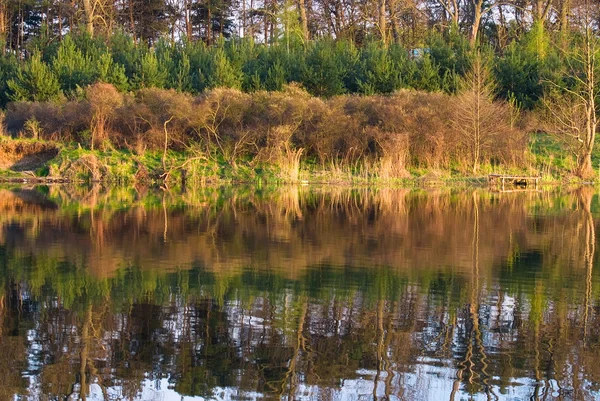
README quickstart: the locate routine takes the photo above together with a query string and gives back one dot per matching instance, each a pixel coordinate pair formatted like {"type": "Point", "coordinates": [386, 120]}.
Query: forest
{"type": "Point", "coordinates": [175, 89]}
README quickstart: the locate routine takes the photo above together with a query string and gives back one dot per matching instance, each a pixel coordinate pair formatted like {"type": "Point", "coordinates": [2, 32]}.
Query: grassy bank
{"type": "Point", "coordinates": [46, 161]}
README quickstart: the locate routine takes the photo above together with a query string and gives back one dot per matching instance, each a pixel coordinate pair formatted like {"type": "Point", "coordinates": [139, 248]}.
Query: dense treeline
{"type": "Point", "coordinates": [476, 70]}
{"type": "Point", "coordinates": [406, 22]}
{"type": "Point", "coordinates": [324, 67]}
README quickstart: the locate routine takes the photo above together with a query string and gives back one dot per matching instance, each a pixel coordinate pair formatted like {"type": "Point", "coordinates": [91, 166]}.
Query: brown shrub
{"type": "Point", "coordinates": [104, 100]}
{"type": "Point", "coordinates": [336, 134]}
{"type": "Point", "coordinates": [426, 119]}
{"type": "Point", "coordinates": [141, 122]}
{"type": "Point", "coordinates": [391, 133]}
{"type": "Point", "coordinates": [61, 122]}
{"type": "Point", "coordinates": [222, 125]}
{"type": "Point", "coordinates": [278, 120]}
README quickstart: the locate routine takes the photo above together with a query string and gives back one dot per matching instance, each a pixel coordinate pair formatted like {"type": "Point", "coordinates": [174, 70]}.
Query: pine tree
{"type": "Point", "coordinates": [222, 72]}
{"type": "Point", "coordinates": [8, 69]}
{"type": "Point", "coordinates": [150, 73]}
{"type": "Point", "coordinates": [518, 76]}
{"type": "Point", "coordinates": [34, 81]}
{"type": "Point", "coordinates": [73, 69]}
{"type": "Point", "coordinates": [376, 71]}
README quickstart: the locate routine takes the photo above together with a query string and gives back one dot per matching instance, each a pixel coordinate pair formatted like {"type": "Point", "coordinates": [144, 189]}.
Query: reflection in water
{"type": "Point", "coordinates": [298, 293]}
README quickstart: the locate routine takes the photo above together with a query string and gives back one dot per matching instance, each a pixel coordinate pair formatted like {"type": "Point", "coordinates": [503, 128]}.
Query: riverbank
{"type": "Point", "coordinates": [162, 137]}
{"type": "Point", "coordinates": [34, 161]}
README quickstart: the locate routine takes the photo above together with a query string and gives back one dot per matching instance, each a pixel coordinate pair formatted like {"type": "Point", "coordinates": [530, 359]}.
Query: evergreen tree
{"type": "Point", "coordinates": [222, 72]}
{"type": "Point", "coordinates": [328, 66]}
{"type": "Point", "coordinates": [110, 72]}
{"type": "Point", "coordinates": [72, 68]}
{"type": "Point", "coordinates": [376, 71]}
{"type": "Point", "coordinates": [8, 69]}
{"type": "Point", "coordinates": [518, 76]}
{"type": "Point", "coordinates": [34, 81]}
{"type": "Point", "coordinates": [150, 73]}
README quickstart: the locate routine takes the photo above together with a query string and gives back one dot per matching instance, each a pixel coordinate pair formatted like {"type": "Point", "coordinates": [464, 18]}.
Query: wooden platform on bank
{"type": "Point", "coordinates": [513, 181]}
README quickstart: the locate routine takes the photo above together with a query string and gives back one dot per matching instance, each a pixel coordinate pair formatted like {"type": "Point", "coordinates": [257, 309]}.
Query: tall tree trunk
{"type": "Point", "coordinates": [209, 25]}
{"type": "Point", "coordinates": [455, 13]}
{"type": "Point", "coordinates": [451, 10]}
{"type": "Point", "coordinates": [591, 127]}
{"type": "Point", "coordinates": [59, 17]}
{"type": "Point", "coordinates": [502, 35]}
{"type": "Point", "coordinates": [338, 24]}
{"type": "Point", "coordinates": [251, 22]}
{"type": "Point", "coordinates": [132, 20]}
{"type": "Point", "coordinates": [3, 25]}
{"type": "Point", "coordinates": [382, 22]}
{"type": "Point", "coordinates": [393, 7]}
{"type": "Point", "coordinates": [188, 20]}
{"type": "Point", "coordinates": [243, 27]}
{"type": "Point", "coordinates": [565, 6]}
{"type": "Point", "coordinates": [303, 20]}
{"type": "Point", "coordinates": [266, 22]}
{"type": "Point", "coordinates": [584, 198]}
{"type": "Point", "coordinates": [83, 353]}
{"type": "Point", "coordinates": [477, 14]}
{"type": "Point", "coordinates": [540, 9]}
{"type": "Point", "coordinates": [272, 25]}
{"type": "Point", "coordinates": [21, 34]}
{"type": "Point", "coordinates": [588, 97]}
{"type": "Point", "coordinates": [89, 17]}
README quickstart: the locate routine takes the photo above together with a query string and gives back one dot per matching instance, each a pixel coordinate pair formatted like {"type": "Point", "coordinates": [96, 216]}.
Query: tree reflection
{"type": "Point", "coordinates": [300, 292]}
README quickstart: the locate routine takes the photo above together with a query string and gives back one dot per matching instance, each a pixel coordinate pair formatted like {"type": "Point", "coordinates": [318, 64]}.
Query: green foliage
{"type": "Point", "coordinates": [110, 72]}
{"type": "Point", "coordinates": [377, 71]}
{"type": "Point", "coordinates": [8, 69]}
{"type": "Point", "coordinates": [34, 81]}
{"type": "Point", "coordinates": [518, 76]}
{"type": "Point", "coordinates": [221, 73]}
{"type": "Point", "coordinates": [150, 72]}
{"type": "Point", "coordinates": [181, 76]}
{"type": "Point", "coordinates": [536, 41]}
{"type": "Point", "coordinates": [328, 67]}
{"type": "Point", "coordinates": [451, 56]}
{"type": "Point", "coordinates": [323, 67]}
{"type": "Point", "coordinates": [125, 53]}
{"type": "Point", "coordinates": [427, 76]}
{"type": "Point", "coordinates": [72, 68]}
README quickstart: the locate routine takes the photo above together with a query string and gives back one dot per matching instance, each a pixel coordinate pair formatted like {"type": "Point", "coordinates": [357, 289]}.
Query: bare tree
{"type": "Point", "coordinates": [477, 117]}
{"type": "Point", "coordinates": [88, 9]}
{"type": "Point", "coordinates": [452, 8]}
{"type": "Point", "coordinates": [572, 110]}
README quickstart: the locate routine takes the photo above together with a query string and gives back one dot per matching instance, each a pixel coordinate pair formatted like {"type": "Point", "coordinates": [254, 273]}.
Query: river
{"type": "Point", "coordinates": [298, 293]}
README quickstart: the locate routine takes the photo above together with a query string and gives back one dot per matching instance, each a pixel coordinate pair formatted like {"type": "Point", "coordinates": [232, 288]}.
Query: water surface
{"type": "Point", "coordinates": [298, 293]}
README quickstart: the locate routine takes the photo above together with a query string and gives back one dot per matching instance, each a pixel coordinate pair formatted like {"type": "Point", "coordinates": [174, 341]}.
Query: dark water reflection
{"type": "Point", "coordinates": [299, 294]}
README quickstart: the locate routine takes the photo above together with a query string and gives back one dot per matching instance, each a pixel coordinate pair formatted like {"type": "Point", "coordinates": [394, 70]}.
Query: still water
{"type": "Point", "coordinates": [298, 294]}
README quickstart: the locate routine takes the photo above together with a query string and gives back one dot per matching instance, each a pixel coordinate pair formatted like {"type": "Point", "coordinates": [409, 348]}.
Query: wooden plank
{"type": "Point", "coordinates": [523, 181]}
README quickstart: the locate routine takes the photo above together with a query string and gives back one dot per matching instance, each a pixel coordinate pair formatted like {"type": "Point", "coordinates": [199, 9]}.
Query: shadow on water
{"type": "Point", "coordinates": [298, 293]}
